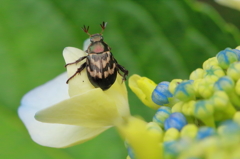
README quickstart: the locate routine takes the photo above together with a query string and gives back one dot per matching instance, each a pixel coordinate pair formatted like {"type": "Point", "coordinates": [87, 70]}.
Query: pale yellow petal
{"type": "Point", "coordinates": [90, 109]}
{"type": "Point", "coordinates": [118, 92]}
{"type": "Point", "coordinates": [88, 106]}
{"type": "Point", "coordinates": [143, 88]}
{"type": "Point", "coordinates": [145, 143]}
{"type": "Point", "coordinates": [79, 83]}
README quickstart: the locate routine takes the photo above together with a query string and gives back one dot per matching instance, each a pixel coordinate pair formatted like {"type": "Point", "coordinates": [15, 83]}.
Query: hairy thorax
{"type": "Point", "coordinates": [97, 47]}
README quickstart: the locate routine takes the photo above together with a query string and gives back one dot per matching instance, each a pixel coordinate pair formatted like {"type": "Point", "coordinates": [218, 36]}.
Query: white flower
{"type": "Point", "coordinates": [56, 118]}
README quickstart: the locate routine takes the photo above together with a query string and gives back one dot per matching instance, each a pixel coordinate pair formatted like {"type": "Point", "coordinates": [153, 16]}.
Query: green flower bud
{"type": "Point", "coordinates": [189, 131]}
{"type": "Point", "coordinates": [203, 110]}
{"type": "Point", "coordinates": [210, 62]}
{"type": "Point", "coordinates": [196, 74]}
{"type": "Point", "coordinates": [177, 107]}
{"type": "Point", "coordinates": [213, 73]}
{"type": "Point", "coordinates": [234, 71]}
{"type": "Point", "coordinates": [237, 87]}
{"type": "Point", "coordinates": [205, 88]}
{"type": "Point", "coordinates": [171, 135]}
{"type": "Point", "coordinates": [187, 108]}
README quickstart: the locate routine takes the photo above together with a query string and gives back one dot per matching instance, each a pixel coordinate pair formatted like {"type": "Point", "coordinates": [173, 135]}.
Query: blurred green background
{"type": "Point", "coordinates": [159, 39]}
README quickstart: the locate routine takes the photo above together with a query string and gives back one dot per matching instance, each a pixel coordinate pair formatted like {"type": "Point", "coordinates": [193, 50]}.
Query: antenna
{"type": "Point", "coordinates": [103, 26]}
{"type": "Point", "coordinates": [85, 29]}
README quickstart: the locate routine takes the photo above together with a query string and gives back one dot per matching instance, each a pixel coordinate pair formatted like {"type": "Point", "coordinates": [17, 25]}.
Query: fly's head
{"type": "Point", "coordinates": [95, 37]}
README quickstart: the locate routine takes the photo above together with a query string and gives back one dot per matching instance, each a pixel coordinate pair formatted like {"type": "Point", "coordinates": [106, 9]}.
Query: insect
{"type": "Point", "coordinates": [101, 66]}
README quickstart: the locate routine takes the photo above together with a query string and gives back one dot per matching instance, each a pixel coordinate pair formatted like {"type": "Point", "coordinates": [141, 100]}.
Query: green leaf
{"type": "Point", "coordinates": [162, 40]}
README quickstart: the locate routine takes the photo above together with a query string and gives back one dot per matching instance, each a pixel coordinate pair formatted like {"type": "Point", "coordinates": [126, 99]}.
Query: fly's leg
{"type": "Point", "coordinates": [125, 72]}
{"type": "Point", "coordinates": [78, 71]}
{"type": "Point", "coordinates": [120, 67]}
{"type": "Point", "coordinates": [79, 60]}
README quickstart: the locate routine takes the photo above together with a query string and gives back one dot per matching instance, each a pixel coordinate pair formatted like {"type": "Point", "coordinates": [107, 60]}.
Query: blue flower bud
{"type": "Point", "coordinates": [130, 150]}
{"type": "Point", "coordinates": [175, 120]}
{"type": "Point", "coordinates": [237, 52]}
{"type": "Point", "coordinates": [204, 132]}
{"type": "Point", "coordinates": [227, 56]}
{"type": "Point", "coordinates": [170, 149]}
{"type": "Point", "coordinates": [161, 94]}
{"type": "Point", "coordinates": [228, 128]}
{"type": "Point", "coordinates": [224, 83]}
{"type": "Point", "coordinates": [161, 115]}
{"type": "Point", "coordinates": [185, 91]}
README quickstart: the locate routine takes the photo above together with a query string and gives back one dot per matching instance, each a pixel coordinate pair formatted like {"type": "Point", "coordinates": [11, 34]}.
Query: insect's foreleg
{"type": "Point", "coordinates": [125, 72]}
{"type": "Point", "coordinates": [79, 60]}
{"type": "Point", "coordinates": [78, 71]}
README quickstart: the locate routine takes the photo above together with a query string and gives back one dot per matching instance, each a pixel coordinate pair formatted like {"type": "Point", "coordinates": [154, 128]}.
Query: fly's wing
{"type": "Point", "coordinates": [109, 65]}
{"type": "Point", "coordinates": [102, 70]}
{"type": "Point", "coordinates": [94, 66]}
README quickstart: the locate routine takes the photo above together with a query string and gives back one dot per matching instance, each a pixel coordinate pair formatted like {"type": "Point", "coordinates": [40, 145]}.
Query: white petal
{"type": "Point", "coordinates": [86, 44]}
{"type": "Point", "coordinates": [55, 135]}
{"type": "Point", "coordinates": [52, 135]}
{"type": "Point", "coordinates": [47, 94]}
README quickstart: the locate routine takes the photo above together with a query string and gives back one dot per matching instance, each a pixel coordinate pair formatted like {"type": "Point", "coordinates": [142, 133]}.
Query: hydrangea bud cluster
{"type": "Point", "coordinates": [199, 117]}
